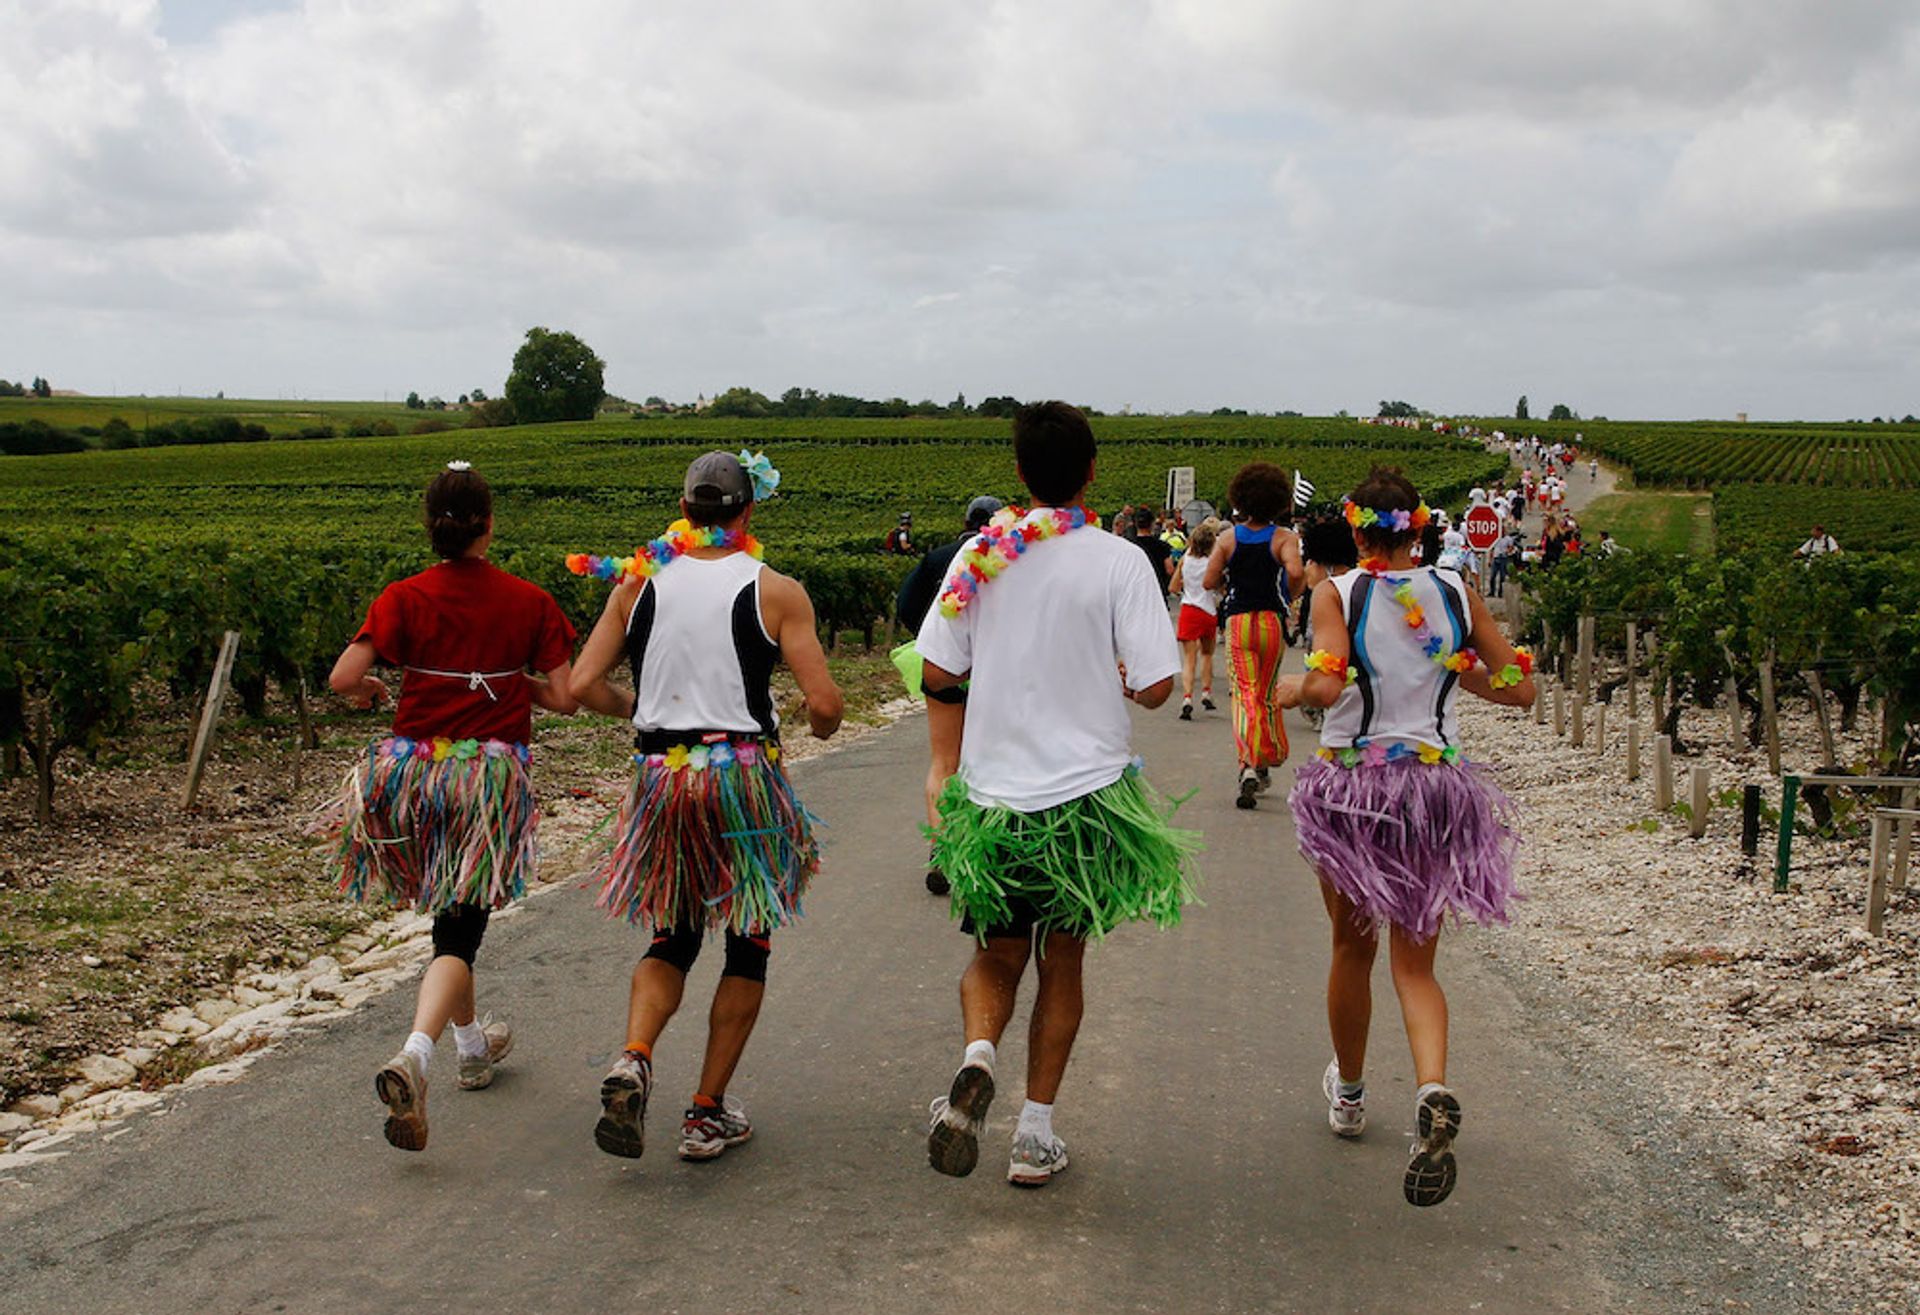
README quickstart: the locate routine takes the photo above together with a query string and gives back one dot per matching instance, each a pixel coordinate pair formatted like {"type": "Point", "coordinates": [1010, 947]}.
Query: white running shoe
{"type": "Point", "coordinates": [1346, 1115]}
{"type": "Point", "coordinates": [1431, 1170]}
{"type": "Point", "coordinates": [706, 1132]}
{"type": "Point", "coordinates": [476, 1071]}
{"type": "Point", "coordinates": [1035, 1159]}
{"type": "Point", "coordinates": [955, 1121]}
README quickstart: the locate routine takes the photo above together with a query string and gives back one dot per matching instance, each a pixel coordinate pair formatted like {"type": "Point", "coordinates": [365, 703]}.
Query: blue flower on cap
{"type": "Point", "coordinates": [760, 470]}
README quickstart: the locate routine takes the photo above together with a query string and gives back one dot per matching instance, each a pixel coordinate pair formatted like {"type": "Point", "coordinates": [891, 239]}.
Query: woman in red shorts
{"type": "Point", "coordinates": [1199, 618]}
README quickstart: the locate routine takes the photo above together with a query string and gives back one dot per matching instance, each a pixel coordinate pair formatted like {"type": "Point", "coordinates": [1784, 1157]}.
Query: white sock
{"type": "Point", "coordinates": [420, 1046]}
{"type": "Point", "coordinates": [471, 1039]}
{"type": "Point", "coordinates": [1036, 1119]}
{"type": "Point", "coordinates": [979, 1052]}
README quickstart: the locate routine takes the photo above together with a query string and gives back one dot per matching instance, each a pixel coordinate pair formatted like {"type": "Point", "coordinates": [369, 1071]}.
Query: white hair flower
{"type": "Point", "coordinates": [459, 467]}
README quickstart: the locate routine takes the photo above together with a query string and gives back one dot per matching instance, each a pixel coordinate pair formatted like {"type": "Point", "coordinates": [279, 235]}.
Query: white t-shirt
{"type": "Point", "coordinates": [1046, 721]}
{"type": "Point", "coordinates": [1193, 569]}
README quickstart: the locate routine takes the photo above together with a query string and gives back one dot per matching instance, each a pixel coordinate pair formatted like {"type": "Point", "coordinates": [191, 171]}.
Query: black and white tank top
{"type": "Point", "coordinates": [699, 651]}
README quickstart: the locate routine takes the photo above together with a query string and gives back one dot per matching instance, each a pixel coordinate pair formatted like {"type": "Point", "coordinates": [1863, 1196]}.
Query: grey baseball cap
{"type": "Point", "coordinates": [718, 480]}
{"type": "Point", "coordinates": [981, 510]}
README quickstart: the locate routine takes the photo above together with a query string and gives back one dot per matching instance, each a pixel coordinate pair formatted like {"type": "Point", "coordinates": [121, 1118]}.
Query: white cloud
{"type": "Point", "coordinates": [1168, 202]}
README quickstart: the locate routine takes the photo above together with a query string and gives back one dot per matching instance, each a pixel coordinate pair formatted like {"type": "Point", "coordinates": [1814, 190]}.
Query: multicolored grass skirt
{"type": "Point", "coordinates": [1089, 864]}
{"type": "Point", "coordinates": [435, 823]}
{"type": "Point", "coordinates": [1255, 645]}
{"type": "Point", "coordinates": [712, 836]}
{"type": "Point", "coordinates": [1408, 842]}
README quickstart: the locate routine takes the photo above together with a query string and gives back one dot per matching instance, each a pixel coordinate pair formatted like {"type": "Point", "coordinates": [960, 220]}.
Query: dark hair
{"type": "Point", "coordinates": [1143, 518]}
{"type": "Point", "coordinates": [1328, 540]}
{"type": "Point", "coordinates": [1053, 446]}
{"type": "Point", "coordinates": [1387, 488]}
{"type": "Point", "coordinates": [459, 507]}
{"type": "Point", "coordinates": [1262, 491]}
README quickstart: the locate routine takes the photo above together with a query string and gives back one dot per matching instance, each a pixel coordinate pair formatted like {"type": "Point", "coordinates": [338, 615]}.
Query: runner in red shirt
{"type": "Point", "coordinates": [440, 815]}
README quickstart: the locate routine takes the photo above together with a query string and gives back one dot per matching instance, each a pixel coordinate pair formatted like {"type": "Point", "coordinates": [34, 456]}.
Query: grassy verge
{"type": "Point", "coordinates": [1666, 522]}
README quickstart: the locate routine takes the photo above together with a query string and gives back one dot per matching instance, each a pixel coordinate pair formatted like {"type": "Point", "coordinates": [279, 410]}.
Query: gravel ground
{"type": "Point", "coordinates": [1776, 1046]}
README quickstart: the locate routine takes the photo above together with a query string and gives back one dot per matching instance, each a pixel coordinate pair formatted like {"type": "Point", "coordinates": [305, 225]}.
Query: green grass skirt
{"type": "Point", "coordinates": [1089, 864]}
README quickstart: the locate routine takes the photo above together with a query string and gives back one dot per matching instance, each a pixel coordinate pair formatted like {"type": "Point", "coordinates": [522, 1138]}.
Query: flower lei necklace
{"type": "Point", "coordinates": [651, 558]}
{"type": "Point", "coordinates": [1459, 663]}
{"type": "Point", "coordinates": [1008, 535]}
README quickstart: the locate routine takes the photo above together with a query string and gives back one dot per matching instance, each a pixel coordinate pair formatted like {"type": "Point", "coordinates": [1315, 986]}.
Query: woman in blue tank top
{"type": "Point", "coordinates": [1259, 563]}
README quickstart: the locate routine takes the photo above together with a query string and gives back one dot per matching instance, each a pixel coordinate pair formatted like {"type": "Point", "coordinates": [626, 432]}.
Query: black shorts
{"type": "Point", "coordinates": [457, 932]}
{"type": "Point", "coordinates": [1023, 918]}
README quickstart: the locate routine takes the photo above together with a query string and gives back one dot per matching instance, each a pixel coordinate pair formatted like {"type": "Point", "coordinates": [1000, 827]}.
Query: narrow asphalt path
{"type": "Point", "coordinates": [1204, 1177]}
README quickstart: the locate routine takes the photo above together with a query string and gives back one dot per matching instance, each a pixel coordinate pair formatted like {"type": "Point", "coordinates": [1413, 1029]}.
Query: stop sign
{"type": "Point", "coordinates": [1482, 527]}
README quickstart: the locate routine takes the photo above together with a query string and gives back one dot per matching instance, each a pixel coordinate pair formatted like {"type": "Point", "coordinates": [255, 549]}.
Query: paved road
{"type": "Point", "coordinates": [1204, 1177]}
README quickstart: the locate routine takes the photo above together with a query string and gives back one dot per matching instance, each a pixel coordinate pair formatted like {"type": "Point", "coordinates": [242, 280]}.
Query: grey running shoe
{"type": "Point", "coordinates": [623, 1103]}
{"type": "Point", "coordinates": [1430, 1166]}
{"type": "Point", "coordinates": [953, 1132]}
{"type": "Point", "coordinates": [705, 1133]}
{"type": "Point", "coordinates": [1249, 789]}
{"type": "Point", "coordinates": [1035, 1159]}
{"type": "Point", "coordinates": [402, 1087]}
{"type": "Point", "coordinates": [1346, 1115]}
{"type": "Point", "coordinates": [476, 1071]}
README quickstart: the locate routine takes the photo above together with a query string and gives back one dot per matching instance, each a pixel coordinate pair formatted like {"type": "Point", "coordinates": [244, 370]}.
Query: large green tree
{"type": "Point", "coordinates": [555, 377]}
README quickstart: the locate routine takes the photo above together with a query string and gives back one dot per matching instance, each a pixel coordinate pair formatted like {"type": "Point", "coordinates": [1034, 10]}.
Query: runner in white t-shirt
{"type": "Point", "coordinates": [1199, 621]}
{"type": "Point", "coordinates": [1047, 831]}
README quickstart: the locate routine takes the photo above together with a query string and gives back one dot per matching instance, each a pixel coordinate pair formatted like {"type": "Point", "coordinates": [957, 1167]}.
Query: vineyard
{"type": "Point", "coordinates": [119, 570]}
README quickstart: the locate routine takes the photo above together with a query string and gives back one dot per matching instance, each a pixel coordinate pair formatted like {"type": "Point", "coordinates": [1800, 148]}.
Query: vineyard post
{"type": "Point", "coordinates": [1877, 875]}
{"type": "Point", "coordinates": [1732, 689]}
{"type": "Point", "coordinates": [1633, 751]}
{"type": "Point", "coordinates": [1783, 864]}
{"type": "Point", "coordinates": [1633, 671]}
{"type": "Point", "coordinates": [1600, 727]}
{"type": "Point", "coordinates": [1699, 782]}
{"type": "Point", "coordinates": [1903, 840]}
{"type": "Point", "coordinates": [1770, 713]}
{"type": "Point", "coordinates": [1586, 659]}
{"type": "Point", "coordinates": [1750, 820]}
{"type": "Point", "coordinates": [43, 765]}
{"type": "Point", "coordinates": [1579, 721]}
{"type": "Point", "coordinates": [210, 716]}
{"type": "Point", "coordinates": [1829, 751]}
{"type": "Point", "coordinates": [1559, 708]}
{"type": "Point", "coordinates": [1662, 772]}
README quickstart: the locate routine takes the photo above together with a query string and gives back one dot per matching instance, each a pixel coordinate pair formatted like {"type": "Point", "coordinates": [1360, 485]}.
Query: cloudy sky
{"type": "Point", "coordinates": [1661, 208]}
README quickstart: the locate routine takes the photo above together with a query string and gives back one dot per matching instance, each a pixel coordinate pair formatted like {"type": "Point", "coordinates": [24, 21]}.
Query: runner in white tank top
{"type": "Point", "coordinates": [711, 835]}
{"type": "Point", "coordinates": [1400, 829]}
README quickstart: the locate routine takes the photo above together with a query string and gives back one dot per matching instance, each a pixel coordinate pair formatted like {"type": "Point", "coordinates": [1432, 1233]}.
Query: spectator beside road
{"type": "Point", "coordinates": [899, 540]}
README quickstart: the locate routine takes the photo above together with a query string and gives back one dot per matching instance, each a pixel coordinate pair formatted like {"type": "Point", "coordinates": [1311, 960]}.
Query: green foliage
{"type": "Point", "coordinates": [1520, 408]}
{"type": "Point", "coordinates": [37, 438]}
{"type": "Point", "coordinates": [1561, 411]}
{"type": "Point", "coordinates": [555, 377]}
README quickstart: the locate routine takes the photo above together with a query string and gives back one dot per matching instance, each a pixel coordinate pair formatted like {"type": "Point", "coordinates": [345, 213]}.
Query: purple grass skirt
{"type": "Point", "coordinates": [1408, 843]}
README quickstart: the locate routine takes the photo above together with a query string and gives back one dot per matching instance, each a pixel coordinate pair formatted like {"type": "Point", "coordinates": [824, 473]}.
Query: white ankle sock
{"type": "Point", "coordinates": [471, 1039]}
{"type": "Point", "coordinates": [420, 1046]}
{"type": "Point", "coordinates": [1037, 1119]}
{"type": "Point", "coordinates": [979, 1052]}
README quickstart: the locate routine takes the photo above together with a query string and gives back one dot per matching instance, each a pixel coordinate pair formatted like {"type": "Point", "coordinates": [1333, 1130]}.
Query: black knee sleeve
{"type": "Point", "coordinates": [679, 947]}
{"type": "Point", "coordinates": [747, 956]}
{"type": "Point", "coordinates": [458, 932]}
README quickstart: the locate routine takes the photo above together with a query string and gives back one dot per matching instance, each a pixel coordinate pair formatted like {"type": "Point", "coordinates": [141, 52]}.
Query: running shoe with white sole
{"type": "Point", "coordinates": [705, 1133]}
{"type": "Point", "coordinates": [955, 1121]}
{"type": "Point", "coordinates": [402, 1087]}
{"type": "Point", "coordinates": [1206, 701]}
{"type": "Point", "coordinates": [1265, 777]}
{"type": "Point", "coordinates": [1249, 789]}
{"type": "Point", "coordinates": [1035, 1159]}
{"type": "Point", "coordinates": [476, 1071]}
{"type": "Point", "coordinates": [623, 1103]}
{"type": "Point", "coordinates": [1186, 710]}
{"type": "Point", "coordinates": [1346, 1115]}
{"type": "Point", "coordinates": [1431, 1170]}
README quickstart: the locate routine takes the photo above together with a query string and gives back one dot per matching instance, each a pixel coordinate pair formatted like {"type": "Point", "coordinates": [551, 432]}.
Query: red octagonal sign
{"type": "Point", "coordinates": [1482, 528]}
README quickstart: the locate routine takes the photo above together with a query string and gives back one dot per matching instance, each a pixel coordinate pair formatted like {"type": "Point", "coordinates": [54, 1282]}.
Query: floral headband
{"type": "Point", "coordinates": [760, 470]}
{"type": "Point", "coordinates": [1393, 519]}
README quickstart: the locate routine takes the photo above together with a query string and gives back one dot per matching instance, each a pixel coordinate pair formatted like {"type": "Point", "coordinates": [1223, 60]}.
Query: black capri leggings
{"type": "Point", "coordinates": [458, 931]}
{"type": "Point", "coordinates": [746, 955]}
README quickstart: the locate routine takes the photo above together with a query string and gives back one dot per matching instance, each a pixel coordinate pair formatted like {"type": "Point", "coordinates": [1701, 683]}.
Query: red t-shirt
{"type": "Point", "coordinates": [466, 615]}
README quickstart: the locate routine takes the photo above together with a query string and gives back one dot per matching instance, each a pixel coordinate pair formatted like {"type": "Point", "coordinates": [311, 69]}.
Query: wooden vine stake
{"type": "Point", "coordinates": [1770, 714]}
{"type": "Point", "coordinates": [1633, 671]}
{"type": "Point", "coordinates": [1699, 782]}
{"type": "Point", "coordinates": [210, 716]}
{"type": "Point", "coordinates": [1633, 751]}
{"type": "Point", "coordinates": [1829, 750]}
{"type": "Point", "coordinates": [1662, 772]}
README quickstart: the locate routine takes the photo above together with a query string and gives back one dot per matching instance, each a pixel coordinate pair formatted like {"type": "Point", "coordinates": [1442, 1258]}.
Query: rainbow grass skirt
{"type": "Point", "coordinates": [1409, 843]}
{"type": "Point", "coordinates": [435, 823]}
{"type": "Point", "coordinates": [710, 836]}
{"type": "Point", "coordinates": [1089, 865]}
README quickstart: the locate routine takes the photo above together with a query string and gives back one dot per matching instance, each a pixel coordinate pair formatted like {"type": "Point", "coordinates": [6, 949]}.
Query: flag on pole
{"type": "Point", "coordinates": [1302, 490]}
